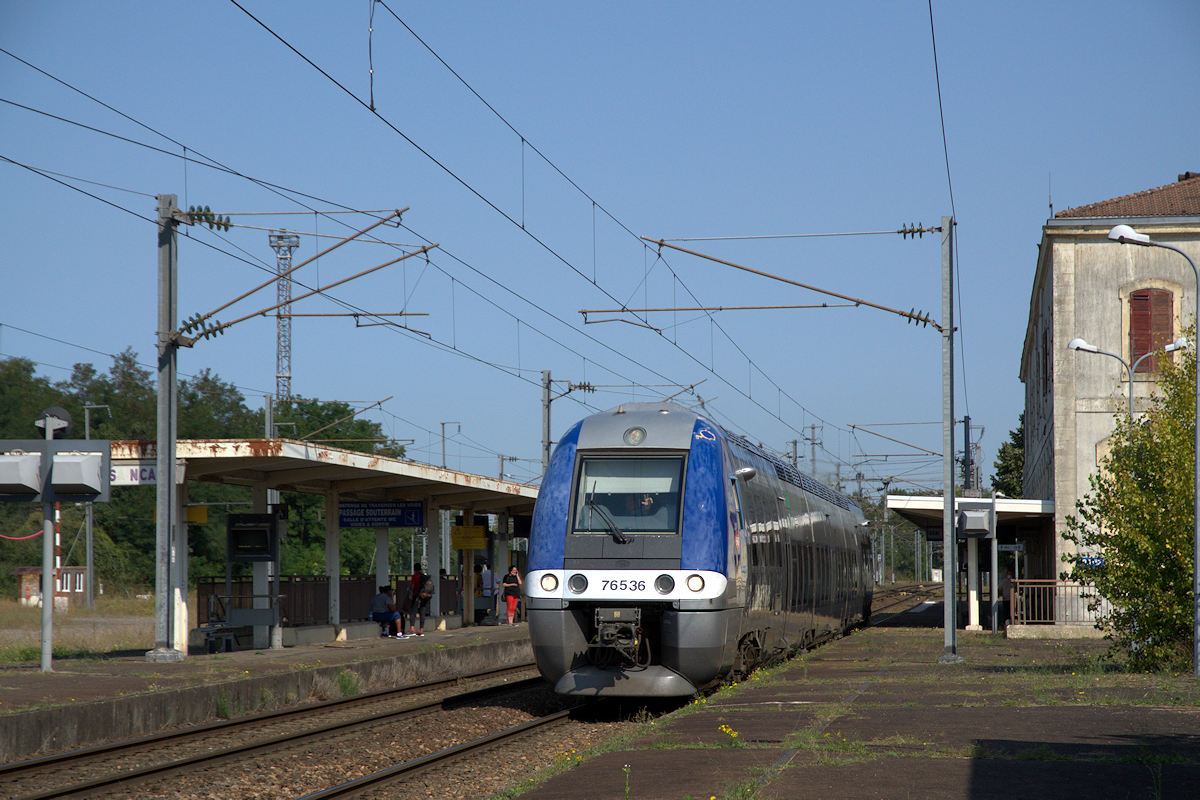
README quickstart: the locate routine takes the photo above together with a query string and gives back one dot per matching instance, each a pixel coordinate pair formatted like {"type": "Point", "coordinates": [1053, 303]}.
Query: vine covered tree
{"type": "Point", "coordinates": [1136, 525]}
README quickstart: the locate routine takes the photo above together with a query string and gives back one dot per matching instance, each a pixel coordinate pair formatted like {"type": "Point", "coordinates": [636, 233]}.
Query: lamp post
{"type": "Point", "coordinates": [1127, 235]}
{"type": "Point", "coordinates": [1079, 344]}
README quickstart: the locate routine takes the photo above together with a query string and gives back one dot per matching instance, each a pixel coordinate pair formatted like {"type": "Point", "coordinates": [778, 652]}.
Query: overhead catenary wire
{"type": "Point", "coordinates": [206, 244]}
{"type": "Point", "coordinates": [911, 230]}
{"type": "Point", "coordinates": [77, 179]}
{"type": "Point", "coordinates": [922, 319]}
{"type": "Point", "coordinates": [897, 441]}
{"type": "Point", "coordinates": [518, 223]}
{"type": "Point", "coordinates": [114, 356]}
{"type": "Point", "coordinates": [595, 204]}
{"type": "Point", "coordinates": [953, 211]}
{"type": "Point", "coordinates": [213, 164]}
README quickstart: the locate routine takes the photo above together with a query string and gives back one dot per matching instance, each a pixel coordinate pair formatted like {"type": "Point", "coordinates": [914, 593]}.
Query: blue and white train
{"type": "Point", "coordinates": [666, 553]}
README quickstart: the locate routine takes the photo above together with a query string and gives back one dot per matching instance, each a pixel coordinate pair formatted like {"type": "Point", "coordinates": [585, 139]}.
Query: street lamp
{"type": "Point", "coordinates": [1127, 235]}
{"type": "Point", "coordinates": [1080, 344]}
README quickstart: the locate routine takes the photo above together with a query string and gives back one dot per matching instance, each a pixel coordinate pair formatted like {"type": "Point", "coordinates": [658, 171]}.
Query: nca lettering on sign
{"type": "Point", "coordinates": [138, 473]}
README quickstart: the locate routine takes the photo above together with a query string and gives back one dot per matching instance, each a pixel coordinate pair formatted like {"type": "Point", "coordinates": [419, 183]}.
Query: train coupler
{"type": "Point", "coordinates": [620, 630]}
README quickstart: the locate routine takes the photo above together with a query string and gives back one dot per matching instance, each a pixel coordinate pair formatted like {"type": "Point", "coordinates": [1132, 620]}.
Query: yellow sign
{"type": "Point", "coordinates": [197, 514]}
{"type": "Point", "coordinates": [468, 537]}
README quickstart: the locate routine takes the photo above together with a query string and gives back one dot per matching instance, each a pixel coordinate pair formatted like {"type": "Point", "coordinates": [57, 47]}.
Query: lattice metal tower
{"type": "Point", "coordinates": [283, 244]}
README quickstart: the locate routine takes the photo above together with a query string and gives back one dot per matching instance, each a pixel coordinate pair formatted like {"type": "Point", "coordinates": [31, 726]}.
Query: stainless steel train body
{"type": "Point", "coordinates": [665, 552]}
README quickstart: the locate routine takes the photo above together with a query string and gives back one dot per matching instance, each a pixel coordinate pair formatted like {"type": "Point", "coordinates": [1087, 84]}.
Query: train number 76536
{"type": "Point", "coordinates": [622, 586]}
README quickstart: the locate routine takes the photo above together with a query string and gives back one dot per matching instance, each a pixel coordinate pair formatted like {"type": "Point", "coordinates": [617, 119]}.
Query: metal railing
{"type": "Point", "coordinates": [1054, 602]}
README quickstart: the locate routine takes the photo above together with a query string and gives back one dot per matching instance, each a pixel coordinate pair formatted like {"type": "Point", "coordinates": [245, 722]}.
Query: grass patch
{"type": "Point", "coordinates": [115, 624]}
{"type": "Point", "coordinates": [348, 683]}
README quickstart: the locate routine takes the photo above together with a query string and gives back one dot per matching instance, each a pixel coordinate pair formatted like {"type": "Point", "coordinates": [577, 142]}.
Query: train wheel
{"type": "Point", "coordinates": [748, 655]}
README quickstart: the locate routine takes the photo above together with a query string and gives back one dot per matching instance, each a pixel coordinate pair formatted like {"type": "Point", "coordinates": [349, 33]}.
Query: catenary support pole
{"type": "Point", "coordinates": [949, 546]}
{"type": "Point", "coordinates": [168, 266]}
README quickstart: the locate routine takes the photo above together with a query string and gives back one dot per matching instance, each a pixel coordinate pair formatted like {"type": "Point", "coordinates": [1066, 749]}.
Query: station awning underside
{"type": "Point", "coordinates": [290, 465]}
{"type": "Point", "coordinates": [927, 512]}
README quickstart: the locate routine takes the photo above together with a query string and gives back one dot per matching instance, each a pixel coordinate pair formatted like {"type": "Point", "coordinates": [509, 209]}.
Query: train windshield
{"type": "Point", "coordinates": [633, 495]}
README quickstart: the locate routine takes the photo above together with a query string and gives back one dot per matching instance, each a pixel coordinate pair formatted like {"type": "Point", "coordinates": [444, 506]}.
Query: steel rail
{"type": "Point", "coordinates": [431, 759]}
{"type": "Point", "coordinates": [915, 592]}
{"type": "Point", "coordinates": [236, 752]}
{"type": "Point", "coordinates": [17, 767]}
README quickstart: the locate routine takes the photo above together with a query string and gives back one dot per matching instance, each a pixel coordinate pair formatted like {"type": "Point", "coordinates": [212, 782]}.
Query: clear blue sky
{"type": "Point", "coordinates": [657, 119]}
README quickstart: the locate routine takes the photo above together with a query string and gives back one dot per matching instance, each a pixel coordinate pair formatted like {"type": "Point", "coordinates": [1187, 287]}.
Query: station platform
{"type": "Point", "coordinates": [86, 701]}
{"type": "Point", "coordinates": [874, 715]}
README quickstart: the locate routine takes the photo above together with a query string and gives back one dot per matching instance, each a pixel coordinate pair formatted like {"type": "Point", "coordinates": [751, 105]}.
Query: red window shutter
{"type": "Point", "coordinates": [1151, 325]}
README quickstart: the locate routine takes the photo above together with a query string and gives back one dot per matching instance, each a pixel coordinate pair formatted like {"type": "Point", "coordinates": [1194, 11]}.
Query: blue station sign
{"type": "Point", "coordinates": [382, 514]}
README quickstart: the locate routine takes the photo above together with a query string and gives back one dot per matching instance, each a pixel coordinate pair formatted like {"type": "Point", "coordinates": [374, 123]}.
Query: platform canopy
{"type": "Point", "coordinates": [290, 465]}
{"type": "Point", "coordinates": [926, 512]}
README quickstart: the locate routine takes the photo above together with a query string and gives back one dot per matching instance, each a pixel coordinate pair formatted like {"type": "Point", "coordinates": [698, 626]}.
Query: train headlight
{"type": "Point", "coordinates": [664, 584]}
{"type": "Point", "coordinates": [695, 582]}
{"type": "Point", "coordinates": [549, 582]}
{"type": "Point", "coordinates": [577, 583]}
{"type": "Point", "coordinates": [635, 436]}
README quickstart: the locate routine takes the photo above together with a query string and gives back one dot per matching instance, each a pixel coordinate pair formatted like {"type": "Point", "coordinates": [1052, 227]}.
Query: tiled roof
{"type": "Point", "coordinates": [1179, 199]}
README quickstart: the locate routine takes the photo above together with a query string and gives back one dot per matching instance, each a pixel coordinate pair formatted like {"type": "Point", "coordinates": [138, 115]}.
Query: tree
{"type": "Point", "coordinates": [1134, 529]}
{"type": "Point", "coordinates": [1010, 462]}
{"type": "Point", "coordinates": [23, 396]}
{"type": "Point", "coordinates": [333, 421]}
{"type": "Point", "coordinates": [209, 408]}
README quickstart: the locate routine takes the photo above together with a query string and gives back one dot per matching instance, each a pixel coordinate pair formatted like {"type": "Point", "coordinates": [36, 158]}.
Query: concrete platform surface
{"type": "Point", "coordinates": [874, 715]}
{"type": "Point", "coordinates": [85, 701]}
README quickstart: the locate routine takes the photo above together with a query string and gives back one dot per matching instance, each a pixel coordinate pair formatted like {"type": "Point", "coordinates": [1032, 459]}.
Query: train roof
{"type": "Point", "coordinates": [682, 419]}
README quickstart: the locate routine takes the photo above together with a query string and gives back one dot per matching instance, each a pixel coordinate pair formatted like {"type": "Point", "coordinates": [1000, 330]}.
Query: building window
{"type": "Point", "coordinates": [1151, 325]}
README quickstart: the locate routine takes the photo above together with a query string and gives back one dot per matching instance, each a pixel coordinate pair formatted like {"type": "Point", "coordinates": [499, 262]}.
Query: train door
{"type": "Point", "coordinates": [758, 583]}
{"type": "Point", "coordinates": [823, 609]}
{"type": "Point", "coordinates": [783, 573]}
{"type": "Point", "coordinates": [740, 550]}
{"type": "Point", "coordinates": [802, 563]}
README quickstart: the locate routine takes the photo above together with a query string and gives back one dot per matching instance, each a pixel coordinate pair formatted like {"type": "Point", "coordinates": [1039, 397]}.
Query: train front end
{"type": "Point", "coordinates": [628, 589]}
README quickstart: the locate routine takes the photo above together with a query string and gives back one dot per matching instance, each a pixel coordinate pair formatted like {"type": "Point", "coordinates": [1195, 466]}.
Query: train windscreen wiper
{"type": "Point", "coordinates": [618, 535]}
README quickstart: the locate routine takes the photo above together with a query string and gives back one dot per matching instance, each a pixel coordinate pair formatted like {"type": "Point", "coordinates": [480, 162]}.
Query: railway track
{"type": "Point", "coordinates": [894, 600]}
{"type": "Point", "coordinates": [169, 755]}
{"type": "Point", "coordinates": [225, 755]}
{"type": "Point", "coordinates": [463, 751]}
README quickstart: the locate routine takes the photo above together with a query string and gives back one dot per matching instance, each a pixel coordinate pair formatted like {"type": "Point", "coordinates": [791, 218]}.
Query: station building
{"type": "Point", "coordinates": [1122, 299]}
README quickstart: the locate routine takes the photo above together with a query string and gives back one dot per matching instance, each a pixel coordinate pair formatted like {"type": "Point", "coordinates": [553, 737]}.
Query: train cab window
{"type": "Point", "coordinates": [635, 495]}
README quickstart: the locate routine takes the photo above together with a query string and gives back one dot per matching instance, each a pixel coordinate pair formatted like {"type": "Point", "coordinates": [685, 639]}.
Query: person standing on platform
{"type": "Point", "coordinates": [422, 593]}
{"type": "Point", "coordinates": [512, 592]}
